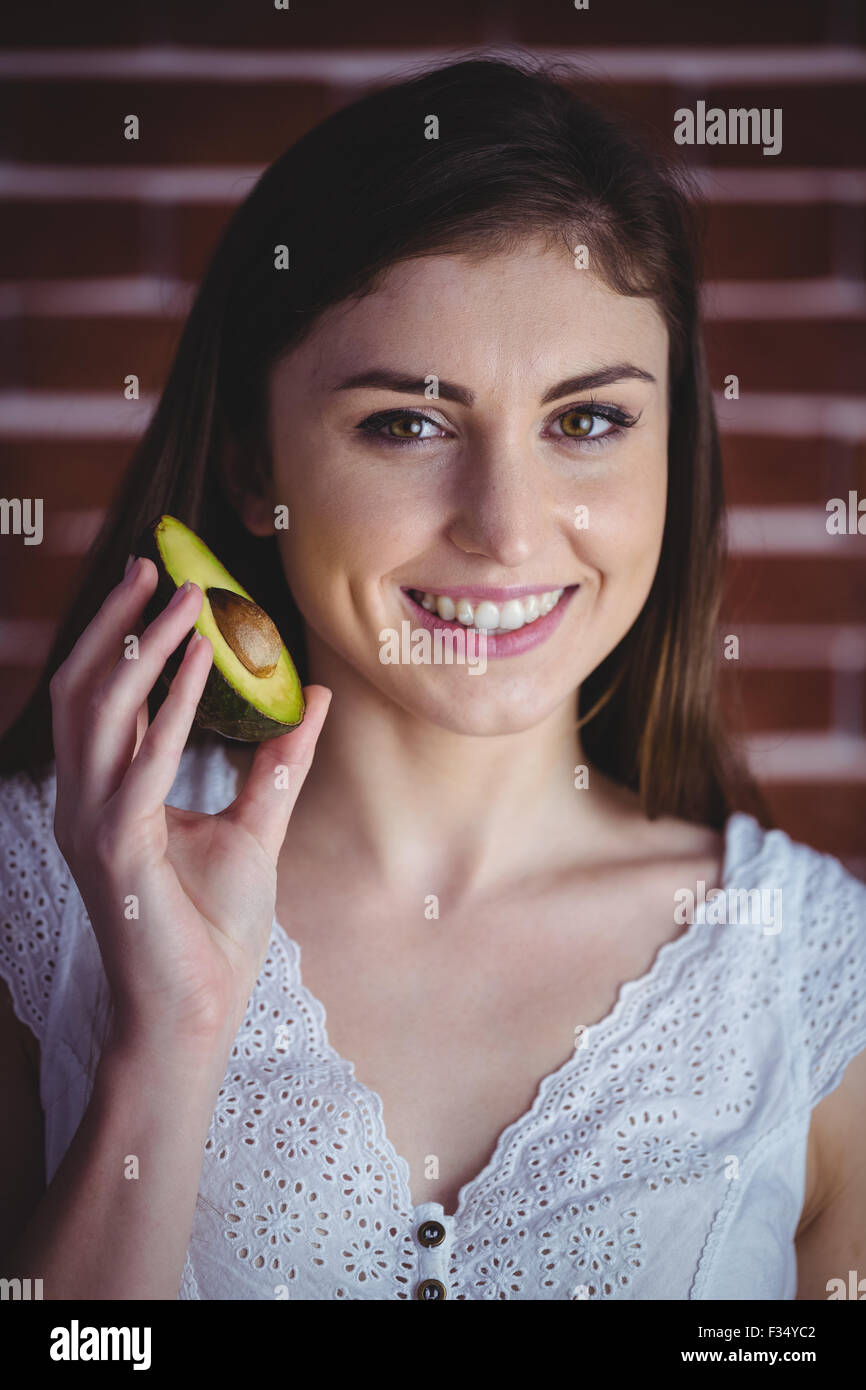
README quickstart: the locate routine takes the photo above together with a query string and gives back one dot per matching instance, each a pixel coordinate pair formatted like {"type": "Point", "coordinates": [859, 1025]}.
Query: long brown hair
{"type": "Point", "coordinates": [523, 146]}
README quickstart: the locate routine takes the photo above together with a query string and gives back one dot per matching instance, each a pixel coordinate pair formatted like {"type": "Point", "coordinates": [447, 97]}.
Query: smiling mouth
{"type": "Point", "coordinates": [497, 619]}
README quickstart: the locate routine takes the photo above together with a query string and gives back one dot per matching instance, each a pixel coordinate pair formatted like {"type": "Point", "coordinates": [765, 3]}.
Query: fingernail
{"type": "Point", "coordinates": [131, 570]}
{"type": "Point", "coordinates": [180, 594]}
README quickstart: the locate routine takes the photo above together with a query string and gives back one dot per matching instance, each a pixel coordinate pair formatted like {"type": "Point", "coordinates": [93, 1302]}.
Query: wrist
{"type": "Point", "coordinates": [167, 1050]}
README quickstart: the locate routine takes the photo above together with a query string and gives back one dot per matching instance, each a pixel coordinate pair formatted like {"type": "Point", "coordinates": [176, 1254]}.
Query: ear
{"type": "Point", "coordinates": [246, 475]}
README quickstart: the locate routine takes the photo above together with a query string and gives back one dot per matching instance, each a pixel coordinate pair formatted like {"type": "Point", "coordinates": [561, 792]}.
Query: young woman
{"type": "Point", "coordinates": [437, 1020]}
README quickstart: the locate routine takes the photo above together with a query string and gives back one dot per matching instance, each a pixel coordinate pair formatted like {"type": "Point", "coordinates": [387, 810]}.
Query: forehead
{"type": "Point", "coordinates": [527, 313]}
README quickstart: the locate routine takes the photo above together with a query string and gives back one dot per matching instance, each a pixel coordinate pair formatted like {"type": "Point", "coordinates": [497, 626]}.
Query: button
{"type": "Point", "coordinates": [431, 1288]}
{"type": "Point", "coordinates": [431, 1233]}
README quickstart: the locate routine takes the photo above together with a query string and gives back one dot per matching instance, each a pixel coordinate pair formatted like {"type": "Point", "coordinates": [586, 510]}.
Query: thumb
{"type": "Point", "coordinates": [265, 803]}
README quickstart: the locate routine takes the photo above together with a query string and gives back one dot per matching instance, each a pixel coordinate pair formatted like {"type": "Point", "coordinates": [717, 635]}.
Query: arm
{"type": "Point", "coordinates": [831, 1239]}
{"type": "Point", "coordinates": [100, 1232]}
{"type": "Point", "coordinates": [116, 1219]}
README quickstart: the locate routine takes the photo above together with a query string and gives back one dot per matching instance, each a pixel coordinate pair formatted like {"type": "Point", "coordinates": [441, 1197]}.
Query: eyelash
{"type": "Point", "coordinates": [619, 419]}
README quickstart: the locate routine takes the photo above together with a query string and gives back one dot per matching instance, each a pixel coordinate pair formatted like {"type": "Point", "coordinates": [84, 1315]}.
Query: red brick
{"type": "Point", "coordinates": [783, 589]}
{"type": "Point", "coordinates": [756, 701]}
{"type": "Point", "coordinates": [776, 242]}
{"type": "Point", "coordinates": [391, 23]}
{"type": "Point", "coordinates": [766, 470]}
{"type": "Point", "coordinates": [198, 229]}
{"type": "Point", "coordinates": [677, 23]}
{"type": "Point", "coordinates": [90, 354]}
{"type": "Point", "coordinates": [237, 24]}
{"type": "Point", "coordinates": [35, 584]}
{"type": "Point", "coordinates": [61, 122]}
{"type": "Point", "coordinates": [830, 816]}
{"type": "Point", "coordinates": [789, 355]}
{"type": "Point", "coordinates": [64, 239]}
{"type": "Point", "coordinates": [67, 473]}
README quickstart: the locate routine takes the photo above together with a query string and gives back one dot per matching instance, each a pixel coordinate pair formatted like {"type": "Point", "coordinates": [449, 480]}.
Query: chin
{"type": "Point", "coordinates": [484, 714]}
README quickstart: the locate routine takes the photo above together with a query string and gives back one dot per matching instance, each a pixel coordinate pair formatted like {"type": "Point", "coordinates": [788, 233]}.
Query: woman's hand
{"type": "Point", "coordinates": [181, 903]}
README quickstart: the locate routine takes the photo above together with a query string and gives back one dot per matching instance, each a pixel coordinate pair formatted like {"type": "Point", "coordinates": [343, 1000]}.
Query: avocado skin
{"type": "Point", "coordinates": [220, 707]}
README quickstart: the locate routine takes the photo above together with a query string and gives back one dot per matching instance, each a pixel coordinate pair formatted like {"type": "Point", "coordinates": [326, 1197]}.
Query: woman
{"type": "Point", "coordinates": [438, 1019]}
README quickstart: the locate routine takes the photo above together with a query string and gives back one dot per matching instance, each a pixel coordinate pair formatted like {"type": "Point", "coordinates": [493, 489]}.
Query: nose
{"type": "Point", "coordinates": [505, 510]}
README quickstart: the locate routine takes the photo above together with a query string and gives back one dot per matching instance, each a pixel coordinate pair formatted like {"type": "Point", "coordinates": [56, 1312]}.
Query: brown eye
{"type": "Point", "coordinates": [411, 420]}
{"type": "Point", "coordinates": [399, 427]}
{"type": "Point", "coordinates": [581, 423]}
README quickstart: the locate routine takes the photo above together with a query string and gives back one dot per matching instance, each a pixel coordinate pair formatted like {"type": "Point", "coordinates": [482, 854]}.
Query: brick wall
{"type": "Point", "coordinates": [102, 240]}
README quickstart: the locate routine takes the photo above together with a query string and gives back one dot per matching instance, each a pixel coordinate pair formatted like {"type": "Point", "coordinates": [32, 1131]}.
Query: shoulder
{"type": "Point", "coordinates": [821, 912]}
{"type": "Point", "coordinates": [808, 945]}
{"type": "Point", "coordinates": [817, 943]}
{"type": "Point", "coordinates": [822, 951]}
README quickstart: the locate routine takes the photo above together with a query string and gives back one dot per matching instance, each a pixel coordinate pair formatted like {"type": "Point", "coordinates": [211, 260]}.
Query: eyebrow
{"type": "Point", "coordinates": [392, 380]}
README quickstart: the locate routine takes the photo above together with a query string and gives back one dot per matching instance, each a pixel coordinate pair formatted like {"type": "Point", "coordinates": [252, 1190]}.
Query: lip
{"type": "Point", "coordinates": [484, 591]}
{"type": "Point", "coordinates": [508, 643]}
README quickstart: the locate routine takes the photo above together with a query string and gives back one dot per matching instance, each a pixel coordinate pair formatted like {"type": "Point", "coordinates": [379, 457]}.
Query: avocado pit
{"type": "Point", "coordinates": [247, 629]}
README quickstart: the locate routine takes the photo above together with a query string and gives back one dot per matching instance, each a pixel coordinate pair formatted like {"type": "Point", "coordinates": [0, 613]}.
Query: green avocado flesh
{"type": "Point", "coordinates": [235, 702]}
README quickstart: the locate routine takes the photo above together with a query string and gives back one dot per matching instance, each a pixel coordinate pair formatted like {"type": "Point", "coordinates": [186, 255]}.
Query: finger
{"type": "Point", "coordinates": [115, 705]}
{"type": "Point", "coordinates": [96, 649]}
{"type": "Point", "coordinates": [148, 781]}
{"type": "Point", "coordinates": [92, 657]}
{"type": "Point", "coordinates": [265, 803]}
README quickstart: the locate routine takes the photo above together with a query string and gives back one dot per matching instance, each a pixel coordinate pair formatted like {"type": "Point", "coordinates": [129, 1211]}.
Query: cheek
{"type": "Point", "coordinates": [346, 522]}
{"type": "Point", "coordinates": [626, 520]}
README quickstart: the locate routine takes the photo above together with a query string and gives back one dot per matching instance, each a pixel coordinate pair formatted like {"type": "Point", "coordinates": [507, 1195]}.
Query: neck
{"type": "Point", "coordinates": [413, 808]}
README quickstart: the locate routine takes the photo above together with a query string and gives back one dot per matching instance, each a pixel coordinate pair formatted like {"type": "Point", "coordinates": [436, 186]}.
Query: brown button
{"type": "Point", "coordinates": [431, 1288]}
{"type": "Point", "coordinates": [431, 1233]}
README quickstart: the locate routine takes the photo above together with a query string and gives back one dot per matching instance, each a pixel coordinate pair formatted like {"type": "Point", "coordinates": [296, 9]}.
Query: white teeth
{"type": "Point", "coordinates": [485, 615]}
{"type": "Point", "coordinates": [511, 615]}
{"type": "Point", "coordinates": [492, 617]}
{"type": "Point", "coordinates": [444, 607]}
{"type": "Point", "coordinates": [465, 612]}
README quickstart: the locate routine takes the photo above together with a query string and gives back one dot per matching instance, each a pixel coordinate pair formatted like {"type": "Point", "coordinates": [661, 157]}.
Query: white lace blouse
{"type": "Point", "coordinates": [664, 1158]}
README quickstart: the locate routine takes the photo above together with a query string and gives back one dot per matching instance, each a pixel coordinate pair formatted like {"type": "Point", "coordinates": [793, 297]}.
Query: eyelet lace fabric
{"type": "Point", "coordinates": [664, 1158]}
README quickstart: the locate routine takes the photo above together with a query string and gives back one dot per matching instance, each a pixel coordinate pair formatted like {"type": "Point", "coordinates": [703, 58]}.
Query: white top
{"type": "Point", "coordinates": [664, 1158]}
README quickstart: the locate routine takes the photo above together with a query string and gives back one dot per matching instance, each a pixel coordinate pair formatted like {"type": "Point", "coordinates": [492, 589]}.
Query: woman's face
{"type": "Point", "coordinates": [510, 479]}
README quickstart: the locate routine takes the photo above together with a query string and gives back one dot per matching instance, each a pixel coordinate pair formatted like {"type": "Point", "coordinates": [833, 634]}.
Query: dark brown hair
{"type": "Point", "coordinates": [524, 147]}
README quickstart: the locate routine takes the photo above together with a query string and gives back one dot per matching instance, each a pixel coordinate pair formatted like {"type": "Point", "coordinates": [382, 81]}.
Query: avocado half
{"type": "Point", "coordinates": [252, 691]}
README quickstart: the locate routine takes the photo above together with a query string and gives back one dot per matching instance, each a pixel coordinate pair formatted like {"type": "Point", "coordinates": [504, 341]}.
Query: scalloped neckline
{"type": "Point", "coordinates": [608, 1024]}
